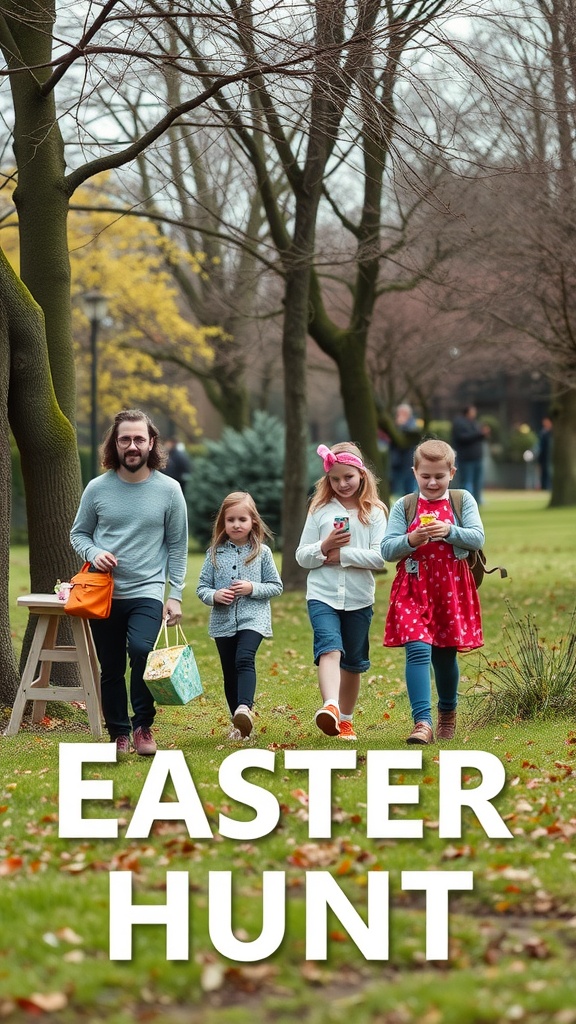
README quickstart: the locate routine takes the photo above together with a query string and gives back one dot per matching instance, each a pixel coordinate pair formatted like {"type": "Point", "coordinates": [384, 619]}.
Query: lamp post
{"type": "Point", "coordinates": [95, 306]}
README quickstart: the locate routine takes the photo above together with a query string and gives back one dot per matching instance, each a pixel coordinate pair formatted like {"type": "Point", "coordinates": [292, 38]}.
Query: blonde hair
{"type": "Point", "coordinates": [257, 534]}
{"type": "Point", "coordinates": [434, 451]}
{"type": "Point", "coordinates": [366, 495]}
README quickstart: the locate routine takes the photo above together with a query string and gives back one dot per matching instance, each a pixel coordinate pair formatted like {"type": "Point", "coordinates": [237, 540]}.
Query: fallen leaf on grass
{"type": "Point", "coordinates": [70, 936]}
{"type": "Point", "coordinates": [46, 1002]}
{"type": "Point", "coordinates": [313, 974]}
{"type": "Point", "coordinates": [523, 807]}
{"type": "Point", "coordinates": [212, 977]}
{"type": "Point", "coordinates": [453, 852]}
{"type": "Point", "coordinates": [250, 979]}
{"type": "Point", "coordinates": [345, 867]}
{"type": "Point", "coordinates": [300, 795]}
{"type": "Point", "coordinates": [11, 865]}
{"type": "Point", "coordinates": [537, 948]}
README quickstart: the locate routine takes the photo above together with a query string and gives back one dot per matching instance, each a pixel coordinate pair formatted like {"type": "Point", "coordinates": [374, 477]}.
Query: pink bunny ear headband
{"type": "Point", "coordinates": [331, 457]}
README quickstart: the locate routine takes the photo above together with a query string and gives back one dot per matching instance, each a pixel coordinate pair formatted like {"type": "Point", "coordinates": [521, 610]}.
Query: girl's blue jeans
{"type": "Point", "coordinates": [419, 657]}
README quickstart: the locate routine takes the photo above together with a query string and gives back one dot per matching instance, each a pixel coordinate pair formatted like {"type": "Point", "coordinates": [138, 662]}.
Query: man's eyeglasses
{"type": "Point", "coordinates": [125, 442]}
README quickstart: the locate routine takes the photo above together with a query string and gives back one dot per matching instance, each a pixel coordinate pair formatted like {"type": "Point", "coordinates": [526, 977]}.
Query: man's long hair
{"type": "Point", "coordinates": [109, 451]}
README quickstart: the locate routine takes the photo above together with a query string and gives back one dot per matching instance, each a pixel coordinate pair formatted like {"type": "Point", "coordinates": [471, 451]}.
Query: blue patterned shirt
{"type": "Point", "coordinates": [251, 611]}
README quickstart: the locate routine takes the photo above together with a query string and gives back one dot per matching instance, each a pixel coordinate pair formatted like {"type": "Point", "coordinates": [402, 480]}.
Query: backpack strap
{"type": "Point", "coordinates": [476, 559]}
{"type": "Point", "coordinates": [410, 505]}
{"type": "Point", "coordinates": [456, 499]}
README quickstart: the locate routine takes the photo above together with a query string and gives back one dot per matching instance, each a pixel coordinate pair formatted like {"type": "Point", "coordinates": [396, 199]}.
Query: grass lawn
{"type": "Point", "coordinates": [512, 937]}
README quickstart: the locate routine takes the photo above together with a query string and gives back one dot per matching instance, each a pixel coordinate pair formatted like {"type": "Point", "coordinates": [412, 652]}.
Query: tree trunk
{"type": "Point", "coordinates": [294, 337]}
{"type": "Point", "coordinates": [360, 407]}
{"type": "Point", "coordinates": [42, 398]}
{"type": "Point", "coordinates": [40, 196]}
{"type": "Point", "coordinates": [47, 444]}
{"type": "Point", "coordinates": [8, 667]}
{"type": "Point", "coordinates": [564, 451]}
{"type": "Point", "coordinates": [298, 262]}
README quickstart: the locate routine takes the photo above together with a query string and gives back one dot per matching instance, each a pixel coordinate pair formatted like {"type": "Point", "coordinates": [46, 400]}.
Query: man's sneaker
{"type": "Point", "coordinates": [328, 719]}
{"type": "Point", "coordinates": [347, 731]}
{"type": "Point", "coordinates": [243, 719]}
{"type": "Point", "coordinates": [122, 746]}
{"type": "Point", "coordinates": [234, 734]}
{"type": "Point", "coordinates": [144, 742]}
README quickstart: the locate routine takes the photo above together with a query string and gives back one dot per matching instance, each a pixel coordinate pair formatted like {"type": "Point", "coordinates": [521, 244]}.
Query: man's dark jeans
{"type": "Point", "coordinates": [131, 630]}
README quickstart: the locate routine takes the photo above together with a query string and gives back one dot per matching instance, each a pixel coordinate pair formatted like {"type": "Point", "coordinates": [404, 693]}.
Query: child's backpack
{"type": "Point", "coordinates": [476, 559]}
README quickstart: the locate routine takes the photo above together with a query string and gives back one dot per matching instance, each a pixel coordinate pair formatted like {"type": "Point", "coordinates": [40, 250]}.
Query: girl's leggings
{"type": "Point", "coordinates": [238, 659]}
{"type": "Point", "coordinates": [419, 656]}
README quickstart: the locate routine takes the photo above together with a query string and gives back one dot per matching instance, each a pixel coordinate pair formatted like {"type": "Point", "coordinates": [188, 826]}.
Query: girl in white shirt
{"type": "Point", "coordinates": [340, 545]}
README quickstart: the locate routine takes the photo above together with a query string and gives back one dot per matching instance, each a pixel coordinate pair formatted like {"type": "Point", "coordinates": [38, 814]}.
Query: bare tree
{"type": "Point", "coordinates": [521, 218]}
{"type": "Point", "coordinates": [60, 141]}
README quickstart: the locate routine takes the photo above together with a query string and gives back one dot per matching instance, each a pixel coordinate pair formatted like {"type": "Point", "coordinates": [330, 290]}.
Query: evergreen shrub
{"type": "Point", "coordinates": [251, 460]}
{"type": "Point", "coordinates": [440, 429]}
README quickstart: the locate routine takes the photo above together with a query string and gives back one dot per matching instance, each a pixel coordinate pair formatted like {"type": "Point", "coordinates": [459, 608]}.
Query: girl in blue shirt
{"type": "Point", "coordinates": [237, 580]}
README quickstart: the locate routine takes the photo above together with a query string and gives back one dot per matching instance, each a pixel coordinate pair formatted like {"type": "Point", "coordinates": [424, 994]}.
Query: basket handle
{"type": "Point", "coordinates": [164, 629]}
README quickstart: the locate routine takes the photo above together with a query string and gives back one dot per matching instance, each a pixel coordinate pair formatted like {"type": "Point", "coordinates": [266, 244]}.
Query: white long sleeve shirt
{"type": "Point", "coordinates": [350, 585]}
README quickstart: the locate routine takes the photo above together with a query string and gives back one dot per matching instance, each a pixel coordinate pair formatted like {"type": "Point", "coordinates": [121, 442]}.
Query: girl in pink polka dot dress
{"type": "Point", "coordinates": [434, 609]}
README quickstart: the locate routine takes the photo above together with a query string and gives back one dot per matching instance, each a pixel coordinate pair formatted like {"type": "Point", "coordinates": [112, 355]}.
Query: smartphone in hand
{"type": "Point", "coordinates": [342, 523]}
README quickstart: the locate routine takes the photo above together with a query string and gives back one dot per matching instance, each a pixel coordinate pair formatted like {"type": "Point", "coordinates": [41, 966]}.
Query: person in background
{"type": "Point", "coordinates": [340, 545]}
{"type": "Point", "coordinates": [401, 475]}
{"type": "Point", "coordinates": [544, 453]}
{"type": "Point", "coordinates": [132, 521]}
{"type": "Point", "coordinates": [178, 464]}
{"type": "Point", "coordinates": [237, 580]}
{"type": "Point", "coordinates": [468, 437]}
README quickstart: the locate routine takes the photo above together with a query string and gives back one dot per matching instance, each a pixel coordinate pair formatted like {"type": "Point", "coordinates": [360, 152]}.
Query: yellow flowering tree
{"type": "Point", "coordinates": [125, 259]}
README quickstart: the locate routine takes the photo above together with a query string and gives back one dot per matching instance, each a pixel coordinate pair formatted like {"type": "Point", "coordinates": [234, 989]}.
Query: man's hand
{"type": "Point", "coordinates": [105, 561]}
{"type": "Point", "coordinates": [172, 611]}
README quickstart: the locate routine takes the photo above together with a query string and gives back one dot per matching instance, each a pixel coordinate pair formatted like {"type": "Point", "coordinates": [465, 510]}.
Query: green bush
{"type": "Point", "coordinates": [441, 429]}
{"type": "Point", "coordinates": [520, 440]}
{"type": "Point", "coordinates": [495, 425]}
{"type": "Point", "coordinates": [251, 460]}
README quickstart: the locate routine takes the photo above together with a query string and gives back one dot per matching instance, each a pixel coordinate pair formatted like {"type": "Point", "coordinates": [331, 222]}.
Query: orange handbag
{"type": "Point", "coordinates": [90, 593]}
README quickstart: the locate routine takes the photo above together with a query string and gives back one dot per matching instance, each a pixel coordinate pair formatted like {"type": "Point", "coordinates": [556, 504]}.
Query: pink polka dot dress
{"type": "Point", "coordinates": [433, 596]}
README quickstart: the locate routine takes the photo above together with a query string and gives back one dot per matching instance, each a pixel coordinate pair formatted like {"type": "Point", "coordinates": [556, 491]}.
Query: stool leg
{"type": "Point", "coordinates": [28, 675]}
{"type": "Point", "coordinates": [39, 706]}
{"type": "Point", "coordinates": [80, 630]}
{"type": "Point", "coordinates": [94, 663]}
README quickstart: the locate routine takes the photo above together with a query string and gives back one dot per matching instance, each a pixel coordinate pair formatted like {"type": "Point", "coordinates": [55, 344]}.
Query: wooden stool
{"type": "Point", "coordinates": [45, 650]}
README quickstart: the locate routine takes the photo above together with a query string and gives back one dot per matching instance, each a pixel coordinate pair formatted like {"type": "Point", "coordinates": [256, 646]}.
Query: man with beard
{"type": "Point", "coordinates": [132, 520]}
